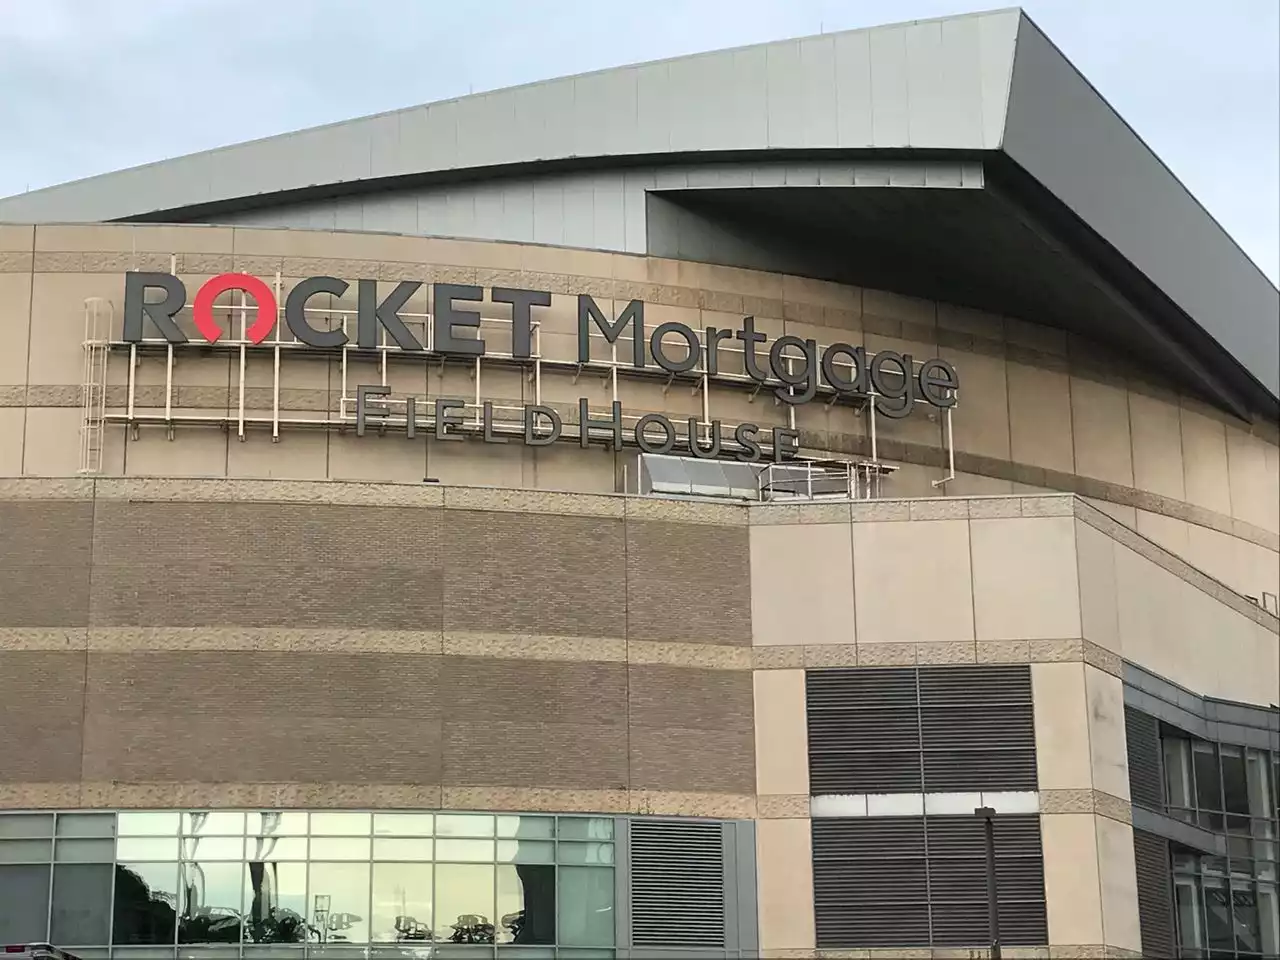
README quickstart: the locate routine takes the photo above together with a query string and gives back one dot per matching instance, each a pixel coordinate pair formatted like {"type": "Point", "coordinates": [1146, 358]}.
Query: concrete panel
{"type": "Point", "coordinates": [782, 743]}
{"type": "Point", "coordinates": [52, 447]}
{"type": "Point", "coordinates": [1107, 749]}
{"type": "Point", "coordinates": [784, 861]}
{"type": "Point", "coordinates": [1119, 885]}
{"type": "Point", "coordinates": [1072, 894]}
{"type": "Point", "coordinates": [1024, 579]}
{"type": "Point", "coordinates": [1100, 430]}
{"type": "Point", "coordinates": [1204, 459]}
{"type": "Point", "coordinates": [1063, 759]}
{"type": "Point", "coordinates": [12, 423]}
{"type": "Point", "coordinates": [1096, 568]}
{"type": "Point", "coordinates": [802, 584]}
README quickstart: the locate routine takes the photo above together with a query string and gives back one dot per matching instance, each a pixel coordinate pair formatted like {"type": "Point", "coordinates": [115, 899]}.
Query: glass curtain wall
{"type": "Point", "coordinates": [321, 883]}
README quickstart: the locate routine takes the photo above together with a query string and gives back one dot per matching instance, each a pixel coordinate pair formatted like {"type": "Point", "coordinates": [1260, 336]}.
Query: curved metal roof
{"type": "Point", "coordinates": [1067, 185]}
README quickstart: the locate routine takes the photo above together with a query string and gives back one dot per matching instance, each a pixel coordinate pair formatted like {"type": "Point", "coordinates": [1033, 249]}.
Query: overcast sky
{"type": "Point", "coordinates": [88, 86]}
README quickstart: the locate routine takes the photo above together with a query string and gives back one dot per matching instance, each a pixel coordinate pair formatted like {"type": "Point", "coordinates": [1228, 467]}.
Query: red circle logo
{"type": "Point", "coordinates": [202, 308]}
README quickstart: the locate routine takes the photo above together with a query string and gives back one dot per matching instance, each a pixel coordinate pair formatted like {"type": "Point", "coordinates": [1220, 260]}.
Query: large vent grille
{"type": "Point", "coordinates": [1142, 741]}
{"type": "Point", "coordinates": [912, 881]}
{"type": "Point", "coordinates": [931, 729]}
{"type": "Point", "coordinates": [1155, 894]}
{"type": "Point", "coordinates": [677, 884]}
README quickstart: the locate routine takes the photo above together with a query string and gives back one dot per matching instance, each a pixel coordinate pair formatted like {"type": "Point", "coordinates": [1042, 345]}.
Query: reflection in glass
{"type": "Point", "coordinates": [25, 851]}
{"type": "Point", "coordinates": [86, 824]}
{"type": "Point", "coordinates": [1234, 786]}
{"type": "Point", "coordinates": [402, 848]}
{"type": "Point", "coordinates": [1260, 804]}
{"type": "Point", "coordinates": [1217, 910]}
{"type": "Point", "coordinates": [1208, 784]}
{"type": "Point", "coordinates": [1177, 772]}
{"type": "Point", "coordinates": [403, 824]}
{"type": "Point", "coordinates": [464, 903]}
{"type": "Point", "coordinates": [586, 906]}
{"type": "Point", "coordinates": [81, 903]}
{"type": "Point", "coordinates": [463, 825]}
{"type": "Point", "coordinates": [24, 903]}
{"type": "Point", "coordinates": [218, 823]}
{"type": "Point", "coordinates": [133, 824]}
{"type": "Point", "coordinates": [527, 828]}
{"type": "Point", "coordinates": [401, 903]}
{"type": "Point", "coordinates": [526, 907]}
{"type": "Point", "coordinates": [339, 899]}
{"type": "Point", "coordinates": [145, 898]}
{"type": "Point", "coordinates": [1244, 906]}
{"type": "Point", "coordinates": [1269, 919]}
{"type": "Point", "coordinates": [209, 903]}
{"type": "Point", "coordinates": [275, 902]}
{"type": "Point", "coordinates": [340, 824]}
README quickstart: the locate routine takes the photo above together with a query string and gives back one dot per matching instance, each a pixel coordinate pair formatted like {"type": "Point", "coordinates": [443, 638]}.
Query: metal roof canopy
{"type": "Point", "coordinates": [1080, 223]}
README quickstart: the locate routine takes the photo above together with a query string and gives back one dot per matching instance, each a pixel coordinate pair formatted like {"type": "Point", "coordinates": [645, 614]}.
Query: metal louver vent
{"type": "Point", "coordinates": [677, 884]}
{"type": "Point", "coordinates": [1155, 894]}
{"type": "Point", "coordinates": [932, 729]}
{"type": "Point", "coordinates": [1142, 742]}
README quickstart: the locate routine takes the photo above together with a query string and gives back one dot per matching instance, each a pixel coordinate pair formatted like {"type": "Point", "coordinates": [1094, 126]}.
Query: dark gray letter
{"type": "Point", "coordinates": [489, 435]}
{"type": "Point", "coordinates": [387, 313]}
{"type": "Point", "coordinates": [446, 318]}
{"type": "Point", "coordinates": [691, 343]}
{"type": "Point", "coordinates": [749, 339]}
{"type": "Point", "coordinates": [808, 374]}
{"type": "Point", "coordinates": [586, 424]}
{"type": "Point", "coordinates": [939, 383]}
{"type": "Point", "coordinates": [711, 452]}
{"type": "Point", "coordinates": [784, 443]}
{"type": "Point", "coordinates": [894, 385]}
{"type": "Point", "coordinates": [161, 312]}
{"type": "Point", "coordinates": [745, 435]}
{"type": "Point", "coordinates": [531, 438]}
{"type": "Point", "coordinates": [295, 311]}
{"type": "Point", "coordinates": [366, 408]}
{"type": "Point", "coordinates": [668, 431]}
{"type": "Point", "coordinates": [447, 416]}
{"type": "Point", "coordinates": [589, 310]}
{"type": "Point", "coordinates": [857, 384]}
{"type": "Point", "coordinates": [521, 321]}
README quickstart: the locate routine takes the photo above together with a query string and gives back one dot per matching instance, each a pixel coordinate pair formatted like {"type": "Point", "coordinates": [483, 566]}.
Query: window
{"type": "Point", "coordinates": [226, 884]}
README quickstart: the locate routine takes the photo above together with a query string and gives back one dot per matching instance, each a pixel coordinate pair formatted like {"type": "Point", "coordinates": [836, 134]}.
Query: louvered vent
{"type": "Point", "coordinates": [1155, 894]}
{"type": "Point", "coordinates": [936, 729]}
{"type": "Point", "coordinates": [1142, 740]}
{"type": "Point", "coordinates": [873, 884]}
{"type": "Point", "coordinates": [677, 884]}
{"type": "Point", "coordinates": [869, 884]}
{"type": "Point", "coordinates": [864, 731]}
{"type": "Point", "coordinates": [979, 728]}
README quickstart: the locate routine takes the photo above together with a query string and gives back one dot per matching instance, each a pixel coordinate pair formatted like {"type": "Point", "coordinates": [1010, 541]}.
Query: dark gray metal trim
{"type": "Point", "coordinates": [1224, 721]}
{"type": "Point", "coordinates": [1179, 831]}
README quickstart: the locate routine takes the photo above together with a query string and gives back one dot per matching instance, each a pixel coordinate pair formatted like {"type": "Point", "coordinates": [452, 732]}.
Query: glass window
{"type": "Point", "coordinates": [85, 851]}
{"type": "Point", "coordinates": [132, 824]}
{"type": "Point", "coordinates": [401, 903]}
{"type": "Point", "coordinates": [81, 904]}
{"type": "Point", "coordinates": [586, 852]}
{"type": "Point", "coordinates": [586, 906]}
{"type": "Point", "coordinates": [25, 851]}
{"type": "Point", "coordinates": [402, 848]}
{"type": "Point", "coordinates": [526, 851]}
{"type": "Point", "coordinates": [526, 906]}
{"type": "Point", "coordinates": [470, 851]}
{"type": "Point", "coordinates": [341, 824]}
{"type": "Point", "coordinates": [1235, 788]}
{"type": "Point", "coordinates": [527, 828]}
{"type": "Point", "coordinates": [339, 900]}
{"type": "Point", "coordinates": [213, 848]}
{"type": "Point", "coordinates": [275, 848]}
{"type": "Point", "coordinates": [26, 825]}
{"type": "Point", "coordinates": [1256, 773]}
{"type": "Point", "coordinates": [464, 825]}
{"type": "Point", "coordinates": [339, 848]}
{"type": "Point", "coordinates": [1190, 913]}
{"type": "Point", "coordinates": [145, 900]}
{"type": "Point", "coordinates": [464, 903]}
{"type": "Point", "coordinates": [213, 824]}
{"type": "Point", "coordinates": [403, 824]}
{"type": "Point", "coordinates": [1244, 907]}
{"type": "Point", "coordinates": [275, 902]}
{"type": "Point", "coordinates": [1217, 910]}
{"type": "Point", "coordinates": [86, 824]}
{"type": "Point", "coordinates": [1269, 919]}
{"type": "Point", "coordinates": [147, 848]}
{"type": "Point", "coordinates": [586, 828]}
{"type": "Point", "coordinates": [1208, 782]}
{"type": "Point", "coordinates": [277, 823]}
{"type": "Point", "coordinates": [209, 905]}
{"type": "Point", "coordinates": [24, 902]}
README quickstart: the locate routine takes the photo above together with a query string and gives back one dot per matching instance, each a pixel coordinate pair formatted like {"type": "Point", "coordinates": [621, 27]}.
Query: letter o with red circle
{"type": "Point", "coordinates": [202, 307]}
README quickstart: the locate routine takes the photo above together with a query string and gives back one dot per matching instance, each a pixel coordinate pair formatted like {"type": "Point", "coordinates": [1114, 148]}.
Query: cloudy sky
{"type": "Point", "coordinates": [88, 86]}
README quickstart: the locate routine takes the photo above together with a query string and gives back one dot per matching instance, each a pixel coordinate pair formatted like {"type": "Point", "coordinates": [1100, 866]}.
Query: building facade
{"type": "Point", "coordinates": [421, 541]}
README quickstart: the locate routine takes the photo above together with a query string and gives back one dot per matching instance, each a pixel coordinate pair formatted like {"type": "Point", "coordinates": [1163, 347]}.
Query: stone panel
{"type": "Point", "coordinates": [801, 584]}
{"type": "Point", "coordinates": [1062, 730]}
{"type": "Point", "coordinates": [1100, 429]}
{"type": "Point", "coordinates": [784, 866]}
{"type": "Point", "coordinates": [782, 743]}
{"type": "Point", "coordinates": [1073, 900]}
{"type": "Point", "coordinates": [1024, 579]}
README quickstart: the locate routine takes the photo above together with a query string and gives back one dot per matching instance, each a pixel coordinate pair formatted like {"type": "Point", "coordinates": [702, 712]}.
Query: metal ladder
{"type": "Point", "coordinates": [99, 321]}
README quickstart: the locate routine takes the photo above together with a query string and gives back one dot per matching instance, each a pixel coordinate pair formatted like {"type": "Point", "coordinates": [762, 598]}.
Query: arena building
{"type": "Point", "coordinates": [665, 512]}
